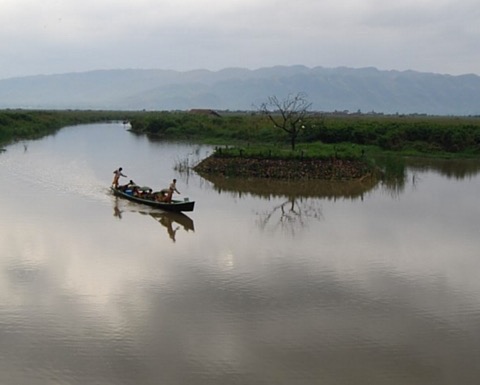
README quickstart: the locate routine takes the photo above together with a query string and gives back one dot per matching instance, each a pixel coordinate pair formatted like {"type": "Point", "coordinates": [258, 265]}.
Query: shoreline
{"type": "Point", "coordinates": [285, 169]}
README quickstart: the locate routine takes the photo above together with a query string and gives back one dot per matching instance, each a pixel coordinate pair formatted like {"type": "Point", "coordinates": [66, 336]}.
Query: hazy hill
{"type": "Point", "coordinates": [329, 89]}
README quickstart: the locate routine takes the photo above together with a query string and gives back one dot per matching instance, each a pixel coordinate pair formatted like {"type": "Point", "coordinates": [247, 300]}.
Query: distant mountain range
{"type": "Point", "coordinates": [328, 89]}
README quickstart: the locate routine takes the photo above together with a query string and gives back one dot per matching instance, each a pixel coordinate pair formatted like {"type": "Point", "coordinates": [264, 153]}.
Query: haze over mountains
{"type": "Point", "coordinates": [329, 89]}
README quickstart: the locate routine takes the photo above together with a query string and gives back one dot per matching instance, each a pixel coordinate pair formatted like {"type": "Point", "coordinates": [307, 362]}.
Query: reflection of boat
{"type": "Point", "coordinates": [174, 205]}
{"type": "Point", "coordinates": [167, 218]}
{"type": "Point", "coordinates": [172, 221]}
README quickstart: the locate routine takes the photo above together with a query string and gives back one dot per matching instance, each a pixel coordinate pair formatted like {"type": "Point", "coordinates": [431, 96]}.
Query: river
{"type": "Point", "coordinates": [264, 283]}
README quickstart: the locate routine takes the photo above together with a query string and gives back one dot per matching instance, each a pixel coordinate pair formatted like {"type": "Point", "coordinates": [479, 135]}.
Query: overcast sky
{"type": "Point", "coordinates": [59, 36]}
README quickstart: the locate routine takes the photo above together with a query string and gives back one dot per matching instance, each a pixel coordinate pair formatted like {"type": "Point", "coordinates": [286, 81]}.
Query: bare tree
{"type": "Point", "coordinates": [287, 114]}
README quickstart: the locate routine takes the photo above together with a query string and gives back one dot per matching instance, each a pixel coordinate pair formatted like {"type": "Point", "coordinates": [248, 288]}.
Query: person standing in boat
{"type": "Point", "coordinates": [167, 193]}
{"type": "Point", "coordinates": [116, 177]}
{"type": "Point", "coordinates": [173, 186]}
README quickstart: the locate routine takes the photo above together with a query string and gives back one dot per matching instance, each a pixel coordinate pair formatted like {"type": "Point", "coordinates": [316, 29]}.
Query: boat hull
{"type": "Point", "coordinates": [174, 205]}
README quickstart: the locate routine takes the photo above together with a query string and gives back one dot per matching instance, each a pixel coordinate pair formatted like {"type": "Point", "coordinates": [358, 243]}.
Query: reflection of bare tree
{"type": "Point", "coordinates": [301, 197]}
{"type": "Point", "coordinates": [290, 215]}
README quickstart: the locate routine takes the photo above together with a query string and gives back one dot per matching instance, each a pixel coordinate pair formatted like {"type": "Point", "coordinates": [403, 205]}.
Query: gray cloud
{"type": "Point", "coordinates": [56, 36]}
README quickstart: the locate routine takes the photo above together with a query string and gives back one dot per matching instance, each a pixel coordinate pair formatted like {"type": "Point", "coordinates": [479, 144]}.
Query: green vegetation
{"type": "Point", "coordinates": [26, 124]}
{"type": "Point", "coordinates": [324, 133]}
{"type": "Point", "coordinates": [407, 134]}
{"type": "Point", "coordinates": [350, 146]}
{"type": "Point", "coordinates": [227, 129]}
{"type": "Point", "coordinates": [306, 151]}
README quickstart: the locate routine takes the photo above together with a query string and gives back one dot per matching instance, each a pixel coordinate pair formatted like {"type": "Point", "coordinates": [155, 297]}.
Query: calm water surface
{"type": "Point", "coordinates": [262, 284]}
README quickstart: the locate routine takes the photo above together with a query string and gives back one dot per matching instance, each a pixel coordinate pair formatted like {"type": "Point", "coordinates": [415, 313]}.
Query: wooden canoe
{"type": "Point", "coordinates": [174, 205]}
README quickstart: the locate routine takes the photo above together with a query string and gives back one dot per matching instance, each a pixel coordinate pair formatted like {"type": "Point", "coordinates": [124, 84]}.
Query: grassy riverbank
{"type": "Point", "coordinates": [427, 135]}
{"type": "Point", "coordinates": [344, 144]}
{"type": "Point", "coordinates": [323, 135]}
{"type": "Point", "coordinates": [26, 124]}
{"type": "Point", "coordinates": [331, 146]}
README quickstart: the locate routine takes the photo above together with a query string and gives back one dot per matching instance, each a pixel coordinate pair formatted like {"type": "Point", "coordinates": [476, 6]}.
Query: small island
{"type": "Point", "coordinates": [289, 169]}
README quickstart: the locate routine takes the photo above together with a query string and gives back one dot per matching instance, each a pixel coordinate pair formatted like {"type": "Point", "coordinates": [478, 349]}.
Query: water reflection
{"type": "Point", "coordinates": [290, 215]}
{"type": "Point", "coordinates": [394, 176]}
{"type": "Point", "coordinates": [170, 220]}
{"type": "Point", "coordinates": [372, 291]}
{"type": "Point", "coordinates": [300, 200]}
{"type": "Point", "coordinates": [451, 168]}
{"type": "Point", "coordinates": [268, 188]}
{"type": "Point", "coordinates": [116, 210]}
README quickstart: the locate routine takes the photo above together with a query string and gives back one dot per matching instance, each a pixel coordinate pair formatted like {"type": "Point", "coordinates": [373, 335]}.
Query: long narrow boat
{"type": "Point", "coordinates": [174, 205]}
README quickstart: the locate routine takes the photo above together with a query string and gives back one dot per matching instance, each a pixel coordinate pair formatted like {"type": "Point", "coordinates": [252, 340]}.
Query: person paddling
{"type": "Point", "coordinates": [173, 186]}
{"type": "Point", "coordinates": [116, 176]}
